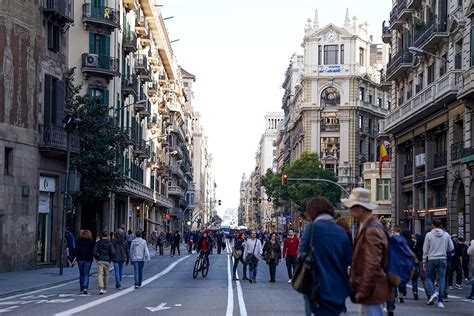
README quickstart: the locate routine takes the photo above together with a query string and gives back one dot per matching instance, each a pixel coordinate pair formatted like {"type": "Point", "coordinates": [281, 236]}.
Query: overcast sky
{"type": "Point", "coordinates": [239, 52]}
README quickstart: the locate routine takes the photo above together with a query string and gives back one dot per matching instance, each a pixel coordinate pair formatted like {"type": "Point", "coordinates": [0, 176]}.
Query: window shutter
{"type": "Point", "coordinates": [106, 45]}
{"type": "Point", "coordinates": [91, 43]}
{"type": "Point", "coordinates": [472, 46]}
{"type": "Point", "coordinates": [47, 99]}
{"type": "Point", "coordinates": [105, 99]}
{"type": "Point", "coordinates": [60, 101]}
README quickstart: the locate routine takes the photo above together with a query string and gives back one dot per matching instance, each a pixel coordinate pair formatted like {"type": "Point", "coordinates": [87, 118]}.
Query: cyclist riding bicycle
{"type": "Point", "coordinates": [204, 245]}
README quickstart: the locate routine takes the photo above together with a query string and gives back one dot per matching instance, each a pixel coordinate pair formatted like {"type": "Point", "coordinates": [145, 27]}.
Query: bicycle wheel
{"type": "Point", "coordinates": [196, 269]}
{"type": "Point", "coordinates": [205, 269]}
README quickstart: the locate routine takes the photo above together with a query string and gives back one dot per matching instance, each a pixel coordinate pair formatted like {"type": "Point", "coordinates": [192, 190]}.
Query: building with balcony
{"type": "Point", "coordinates": [334, 99]}
{"type": "Point", "coordinates": [380, 186]}
{"type": "Point", "coordinates": [430, 123]}
{"type": "Point", "coordinates": [33, 140]}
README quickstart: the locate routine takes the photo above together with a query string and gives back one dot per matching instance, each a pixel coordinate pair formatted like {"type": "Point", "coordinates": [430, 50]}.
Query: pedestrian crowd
{"type": "Point", "coordinates": [374, 268]}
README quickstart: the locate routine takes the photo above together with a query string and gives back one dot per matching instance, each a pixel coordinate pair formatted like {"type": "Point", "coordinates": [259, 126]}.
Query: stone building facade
{"type": "Point", "coordinates": [33, 64]}
{"type": "Point", "coordinates": [430, 123]}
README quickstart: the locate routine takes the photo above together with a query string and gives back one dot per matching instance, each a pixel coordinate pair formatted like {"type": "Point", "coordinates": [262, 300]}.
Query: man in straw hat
{"type": "Point", "coordinates": [367, 276]}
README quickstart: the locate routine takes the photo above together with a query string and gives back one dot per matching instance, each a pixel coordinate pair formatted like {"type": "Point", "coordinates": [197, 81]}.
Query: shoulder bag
{"type": "Point", "coordinates": [304, 278]}
{"type": "Point", "coordinates": [250, 259]}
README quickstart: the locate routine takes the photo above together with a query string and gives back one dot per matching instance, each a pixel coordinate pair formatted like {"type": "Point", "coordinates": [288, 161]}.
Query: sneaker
{"type": "Point", "coordinates": [445, 299]}
{"type": "Point", "coordinates": [470, 297]}
{"type": "Point", "coordinates": [450, 287]}
{"type": "Point", "coordinates": [415, 296]}
{"type": "Point", "coordinates": [433, 299]}
{"type": "Point", "coordinates": [101, 292]}
{"type": "Point", "coordinates": [391, 313]}
{"type": "Point", "coordinates": [118, 287]}
{"type": "Point", "coordinates": [136, 287]}
{"type": "Point", "coordinates": [85, 292]}
{"type": "Point", "coordinates": [402, 300]}
{"type": "Point", "coordinates": [440, 305]}
{"type": "Point", "coordinates": [289, 281]}
{"type": "Point", "coordinates": [458, 286]}
{"type": "Point", "coordinates": [104, 291]}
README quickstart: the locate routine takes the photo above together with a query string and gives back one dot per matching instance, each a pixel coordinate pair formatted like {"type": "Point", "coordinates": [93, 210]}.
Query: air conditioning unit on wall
{"type": "Point", "coordinates": [420, 160]}
{"type": "Point", "coordinates": [92, 60]}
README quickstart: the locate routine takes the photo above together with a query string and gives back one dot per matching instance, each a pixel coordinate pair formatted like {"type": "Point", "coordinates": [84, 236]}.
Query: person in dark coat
{"type": "Point", "coordinates": [175, 244]}
{"type": "Point", "coordinates": [332, 252]}
{"type": "Point", "coordinates": [84, 258]}
{"type": "Point", "coordinates": [121, 256]}
{"type": "Point", "coordinates": [272, 254]}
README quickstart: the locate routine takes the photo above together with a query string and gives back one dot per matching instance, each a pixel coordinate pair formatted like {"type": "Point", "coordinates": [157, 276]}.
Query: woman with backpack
{"type": "Point", "coordinates": [332, 254]}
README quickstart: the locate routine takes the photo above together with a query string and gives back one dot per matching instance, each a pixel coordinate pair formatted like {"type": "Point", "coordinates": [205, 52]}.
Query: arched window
{"type": "Point", "coordinates": [330, 97]}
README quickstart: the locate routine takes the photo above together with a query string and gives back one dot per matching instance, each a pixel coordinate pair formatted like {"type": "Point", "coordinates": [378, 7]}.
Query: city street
{"type": "Point", "coordinates": [169, 289]}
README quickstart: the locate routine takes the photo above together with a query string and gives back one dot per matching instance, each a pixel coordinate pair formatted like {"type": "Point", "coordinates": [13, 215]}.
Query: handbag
{"type": "Point", "coordinates": [251, 259]}
{"type": "Point", "coordinates": [237, 253]}
{"type": "Point", "coordinates": [304, 278]}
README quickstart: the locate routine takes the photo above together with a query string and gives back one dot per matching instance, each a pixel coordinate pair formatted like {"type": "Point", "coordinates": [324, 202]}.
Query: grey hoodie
{"type": "Point", "coordinates": [437, 244]}
{"type": "Point", "coordinates": [139, 250]}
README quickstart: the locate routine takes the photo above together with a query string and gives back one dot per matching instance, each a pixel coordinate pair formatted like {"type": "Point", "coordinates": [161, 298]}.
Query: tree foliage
{"type": "Point", "coordinates": [298, 192]}
{"type": "Point", "coordinates": [102, 144]}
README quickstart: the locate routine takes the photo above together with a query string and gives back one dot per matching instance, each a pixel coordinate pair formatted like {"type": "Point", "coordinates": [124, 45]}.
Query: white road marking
{"type": "Point", "coordinates": [37, 291]}
{"type": "Point", "coordinates": [160, 307]}
{"type": "Point", "coordinates": [8, 309]}
{"type": "Point", "coordinates": [240, 294]}
{"type": "Point", "coordinates": [230, 290]}
{"type": "Point", "coordinates": [119, 294]}
{"type": "Point", "coordinates": [178, 305]}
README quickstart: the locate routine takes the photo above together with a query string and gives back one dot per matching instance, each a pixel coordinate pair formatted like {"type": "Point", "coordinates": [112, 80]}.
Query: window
{"type": "Point", "coordinates": [379, 102]}
{"type": "Point", "coordinates": [370, 124]}
{"type": "Point", "coordinates": [458, 52]}
{"type": "Point", "coordinates": [7, 167]}
{"type": "Point", "coordinates": [320, 55]}
{"type": "Point", "coordinates": [371, 99]}
{"type": "Point", "coordinates": [443, 65]}
{"type": "Point", "coordinates": [389, 105]}
{"type": "Point", "coordinates": [431, 73]}
{"type": "Point", "coordinates": [419, 84]}
{"type": "Point", "coordinates": [53, 37]}
{"type": "Point", "coordinates": [361, 147]}
{"type": "Point", "coordinates": [331, 54]}
{"type": "Point", "coordinates": [361, 94]}
{"type": "Point", "coordinates": [361, 121]}
{"type": "Point", "coordinates": [53, 100]}
{"type": "Point", "coordinates": [383, 189]}
{"type": "Point", "coordinates": [410, 89]}
{"type": "Point", "coordinates": [361, 56]}
{"type": "Point", "coordinates": [99, 44]}
{"type": "Point", "coordinates": [368, 184]}
{"type": "Point", "coordinates": [472, 46]}
{"type": "Point", "coordinates": [401, 94]}
{"type": "Point", "coordinates": [369, 151]}
{"type": "Point", "coordinates": [342, 53]}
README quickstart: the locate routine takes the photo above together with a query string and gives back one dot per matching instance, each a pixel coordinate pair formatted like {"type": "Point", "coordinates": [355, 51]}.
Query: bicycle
{"type": "Point", "coordinates": [201, 264]}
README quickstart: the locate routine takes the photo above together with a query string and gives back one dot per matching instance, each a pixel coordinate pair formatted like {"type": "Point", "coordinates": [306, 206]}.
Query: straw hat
{"type": "Point", "coordinates": [360, 196]}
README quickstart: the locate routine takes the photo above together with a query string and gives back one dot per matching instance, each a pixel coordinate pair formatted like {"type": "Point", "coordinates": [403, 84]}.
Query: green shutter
{"type": "Point", "coordinates": [472, 46]}
{"type": "Point", "coordinates": [105, 99]}
{"type": "Point", "coordinates": [91, 43]}
{"type": "Point", "coordinates": [106, 45]}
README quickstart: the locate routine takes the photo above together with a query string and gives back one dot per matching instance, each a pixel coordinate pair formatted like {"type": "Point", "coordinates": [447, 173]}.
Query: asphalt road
{"type": "Point", "coordinates": [169, 289]}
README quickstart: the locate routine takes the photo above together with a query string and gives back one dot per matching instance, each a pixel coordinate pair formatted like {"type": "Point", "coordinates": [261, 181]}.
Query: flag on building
{"type": "Point", "coordinates": [383, 157]}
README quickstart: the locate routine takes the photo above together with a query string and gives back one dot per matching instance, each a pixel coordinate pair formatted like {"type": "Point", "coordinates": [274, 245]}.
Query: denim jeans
{"type": "Point", "coordinates": [414, 280]}
{"type": "Point", "coordinates": [253, 272]}
{"type": "Point", "coordinates": [437, 267]}
{"type": "Point", "coordinates": [371, 310]}
{"type": "Point", "coordinates": [118, 268]}
{"type": "Point", "coordinates": [138, 271]}
{"type": "Point", "coordinates": [236, 263]}
{"type": "Point", "coordinates": [84, 270]}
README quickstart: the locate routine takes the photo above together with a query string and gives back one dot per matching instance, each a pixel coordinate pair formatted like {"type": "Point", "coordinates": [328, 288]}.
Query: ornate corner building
{"type": "Point", "coordinates": [430, 123]}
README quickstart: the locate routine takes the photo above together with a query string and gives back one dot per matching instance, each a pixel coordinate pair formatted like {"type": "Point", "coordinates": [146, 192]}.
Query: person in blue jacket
{"type": "Point", "coordinates": [333, 256]}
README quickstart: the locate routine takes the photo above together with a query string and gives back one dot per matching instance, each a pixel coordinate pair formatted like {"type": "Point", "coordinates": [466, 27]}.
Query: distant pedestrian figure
{"type": "Point", "coordinates": [272, 254]}
{"type": "Point", "coordinates": [103, 253]}
{"type": "Point", "coordinates": [161, 243]}
{"type": "Point", "coordinates": [84, 258]}
{"type": "Point", "coordinates": [252, 254]}
{"type": "Point", "coordinates": [176, 240]}
{"type": "Point", "coordinates": [139, 254]}
{"type": "Point", "coordinates": [290, 251]}
{"type": "Point", "coordinates": [370, 256]}
{"type": "Point", "coordinates": [130, 237]}
{"type": "Point", "coordinates": [121, 256]}
{"type": "Point", "coordinates": [238, 255]}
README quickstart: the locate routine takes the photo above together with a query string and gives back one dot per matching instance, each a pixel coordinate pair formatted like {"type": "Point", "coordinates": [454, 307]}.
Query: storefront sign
{"type": "Point", "coordinates": [44, 202]}
{"type": "Point", "coordinates": [47, 184]}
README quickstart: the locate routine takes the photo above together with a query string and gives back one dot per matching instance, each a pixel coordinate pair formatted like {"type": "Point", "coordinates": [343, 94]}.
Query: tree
{"type": "Point", "coordinates": [298, 192]}
{"type": "Point", "coordinates": [102, 145]}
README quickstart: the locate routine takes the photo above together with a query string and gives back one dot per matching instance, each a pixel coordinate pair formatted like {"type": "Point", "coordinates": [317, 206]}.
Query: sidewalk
{"type": "Point", "coordinates": [12, 283]}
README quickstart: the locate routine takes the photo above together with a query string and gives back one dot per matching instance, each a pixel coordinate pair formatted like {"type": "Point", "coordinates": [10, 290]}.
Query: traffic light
{"type": "Point", "coordinates": [284, 178]}
{"type": "Point", "coordinates": [219, 202]}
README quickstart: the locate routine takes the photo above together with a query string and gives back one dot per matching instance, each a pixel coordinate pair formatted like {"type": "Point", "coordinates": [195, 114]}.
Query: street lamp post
{"type": "Point", "coordinates": [416, 50]}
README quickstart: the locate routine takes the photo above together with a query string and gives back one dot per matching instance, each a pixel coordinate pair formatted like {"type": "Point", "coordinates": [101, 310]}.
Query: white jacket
{"type": "Point", "coordinates": [139, 250]}
{"type": "Point", "coordinates": [470, 252]}
{"type": "Point", "coordinates": [249, 246]}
